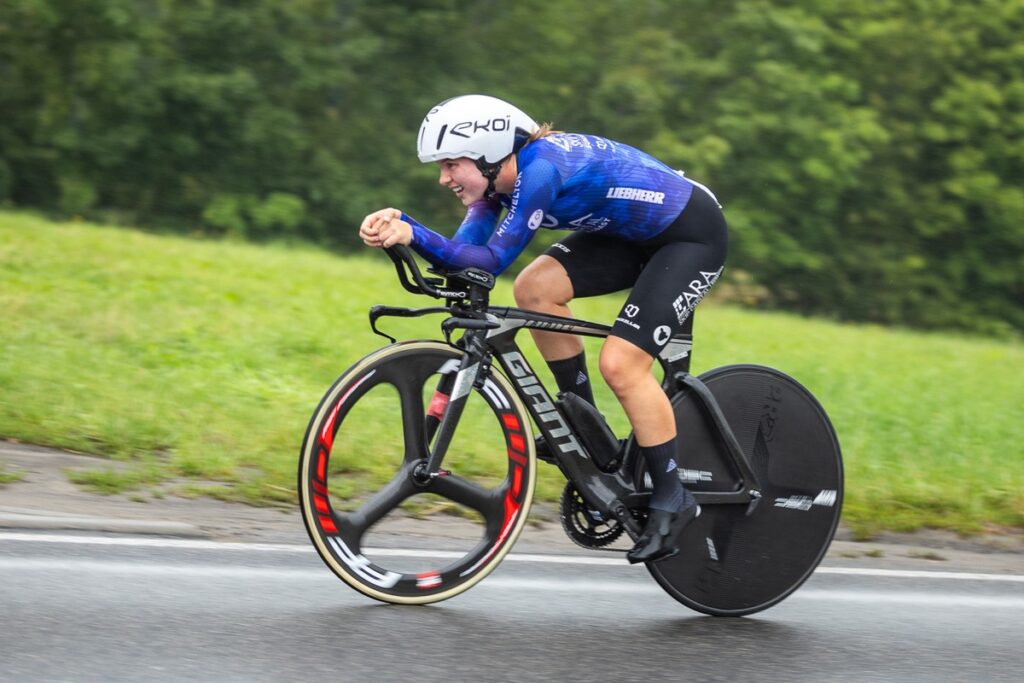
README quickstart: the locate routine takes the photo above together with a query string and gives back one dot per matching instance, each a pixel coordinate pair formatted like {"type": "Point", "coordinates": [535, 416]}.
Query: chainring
{"type": "Point", "coordinates": [584, 525]}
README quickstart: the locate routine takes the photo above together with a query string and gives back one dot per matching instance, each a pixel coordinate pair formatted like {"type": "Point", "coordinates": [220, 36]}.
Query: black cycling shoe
{"type": "Point", "coordinates": [658, 540]}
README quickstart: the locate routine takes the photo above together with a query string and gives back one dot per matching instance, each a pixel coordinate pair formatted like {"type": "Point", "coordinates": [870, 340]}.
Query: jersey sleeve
{"type": "Point", "coordinates": [534, 193]}
{"type": "Point", "coordinates": [474, 230]}
{"type": "Point", "coordinates": [477, 226]}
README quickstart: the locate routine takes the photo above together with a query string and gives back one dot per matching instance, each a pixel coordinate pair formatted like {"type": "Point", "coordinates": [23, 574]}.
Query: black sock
{"type": "Point", "coordinates": [571, 375]}
{"type": "Point", "coordinates": [669, 494]}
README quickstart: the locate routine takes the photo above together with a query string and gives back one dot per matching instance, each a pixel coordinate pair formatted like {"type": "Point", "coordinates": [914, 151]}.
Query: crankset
{"type": "Point", "coordinates": [586, 526]}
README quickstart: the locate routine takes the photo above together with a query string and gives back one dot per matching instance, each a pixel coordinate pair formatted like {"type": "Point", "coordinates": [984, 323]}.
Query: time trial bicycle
{"type": "Point", "coordinates": [755, 447]}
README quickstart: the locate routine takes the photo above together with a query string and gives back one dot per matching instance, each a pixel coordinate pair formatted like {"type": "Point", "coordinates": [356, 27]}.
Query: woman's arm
{"type": "Point", "coordinates": [533, 195]}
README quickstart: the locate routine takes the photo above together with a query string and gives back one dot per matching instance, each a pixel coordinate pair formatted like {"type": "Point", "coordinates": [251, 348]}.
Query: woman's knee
{"type": "Point", "coordinates": [623, 365]}
{"type": "Point", "coordinates": [544, 281]}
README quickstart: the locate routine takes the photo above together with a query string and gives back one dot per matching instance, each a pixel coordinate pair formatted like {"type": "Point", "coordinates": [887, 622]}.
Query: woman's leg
{"type": "Point", "coordinates": [672, 283]}
{"type": "Point", "coordinates": [580, 265]}
{"type": "Point", "coordinates": [627, 370]}
{"type": "Point", "coordinates": [544, 286]}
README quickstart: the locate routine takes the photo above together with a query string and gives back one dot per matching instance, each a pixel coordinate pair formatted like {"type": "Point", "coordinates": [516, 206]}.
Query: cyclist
{"type": "Point", "coordinates": [636, 224]}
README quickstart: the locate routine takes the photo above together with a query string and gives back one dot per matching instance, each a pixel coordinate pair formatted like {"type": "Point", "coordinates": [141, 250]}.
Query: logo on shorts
{"type": "Point", "coordinates": [631, 310]}
{"type": "Point", "coordinates": [662, 334]}
{"type": "Point", "coordinates": [559, 245]}
{"type": "Point", "coordinates": [627, 323]}
{"type": "Point", "coordinates": [536, 218]}
{"type": "Point", "coordinates": [688, 300]}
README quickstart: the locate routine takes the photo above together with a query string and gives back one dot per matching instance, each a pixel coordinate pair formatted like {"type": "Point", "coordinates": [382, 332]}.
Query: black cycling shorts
{"type": "Point", "coordinates": [669, 273]}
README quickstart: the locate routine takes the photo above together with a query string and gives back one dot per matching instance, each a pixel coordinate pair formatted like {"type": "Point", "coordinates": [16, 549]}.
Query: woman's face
{"type": "Point", "coordinates": [462, 177]}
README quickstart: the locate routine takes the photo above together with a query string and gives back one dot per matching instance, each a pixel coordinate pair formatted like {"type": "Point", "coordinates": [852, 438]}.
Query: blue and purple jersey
{"type": "Point", "coordinates": [566, 181]}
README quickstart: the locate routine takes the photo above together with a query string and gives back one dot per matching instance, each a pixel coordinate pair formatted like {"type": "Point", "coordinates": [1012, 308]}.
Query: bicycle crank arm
{"type": "Point", "coordinates": [607, 493]}
{"type": "Point", "coordinates": [627, 521]}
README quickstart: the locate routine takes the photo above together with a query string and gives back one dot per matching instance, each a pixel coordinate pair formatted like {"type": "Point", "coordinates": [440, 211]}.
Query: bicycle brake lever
{"type": "Point", "coordinates": [375, 313]}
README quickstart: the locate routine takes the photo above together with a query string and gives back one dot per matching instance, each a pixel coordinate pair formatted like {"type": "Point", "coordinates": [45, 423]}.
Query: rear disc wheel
{"type": "Point", "coordinates": [730, 562]}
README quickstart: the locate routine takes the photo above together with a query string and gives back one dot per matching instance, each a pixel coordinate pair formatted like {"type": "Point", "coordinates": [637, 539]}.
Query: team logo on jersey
{"type": "Point", "coordinates": [631, 310]}
{"type": "Point", "coordinates": [590, 223]}
{"type": "Point", "coordinates": [536, 218]}
{"type": "Point", "coordinates": [512, 207]}
{"type": "Point", "coordinates": [566, 141]}
{"type": "Point", "coordinates": [635, 194]}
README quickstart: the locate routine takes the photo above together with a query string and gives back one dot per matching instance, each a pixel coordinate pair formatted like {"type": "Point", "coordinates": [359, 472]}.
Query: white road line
{"type": "Point", "coordinates": [127, 571]}
{"type": "Point", "coordinates": [183, 544]}
{"type": "Point", "coordinates": [616, 561]}
{"type": "Point", "coordinates": [141, 569]}
{"type": "Point", "coordinates": [920, 574]}
{"type": "Point", "coordinates": [913, 598]}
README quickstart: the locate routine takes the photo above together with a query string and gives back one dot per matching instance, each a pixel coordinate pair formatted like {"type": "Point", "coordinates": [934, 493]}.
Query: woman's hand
{"type": "Point", "coordinates": [385, 228]}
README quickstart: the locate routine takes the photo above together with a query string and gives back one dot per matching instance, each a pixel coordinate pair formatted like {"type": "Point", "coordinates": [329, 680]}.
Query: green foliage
{"type": "Point", "coordinates": [226, 212]}
{"type": "Point", "coordinates": [280, 214]}
{"type": "Point", "coordinates": [869, 154]}
{"type": "Point", "coordinates": [205, 359]}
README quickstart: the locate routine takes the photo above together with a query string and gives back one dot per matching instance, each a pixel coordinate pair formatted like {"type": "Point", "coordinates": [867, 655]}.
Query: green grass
{"type": "Point", "coordinates": [204, 360]}
{"type": "Point", "coordinates": [7, 477]}
{"type": "Point", "coordinates": [109, 481]}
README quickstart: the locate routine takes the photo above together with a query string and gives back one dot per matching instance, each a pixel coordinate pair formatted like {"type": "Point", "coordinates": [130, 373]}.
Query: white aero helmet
{"type": "Point", "coordinates": [479, 127]}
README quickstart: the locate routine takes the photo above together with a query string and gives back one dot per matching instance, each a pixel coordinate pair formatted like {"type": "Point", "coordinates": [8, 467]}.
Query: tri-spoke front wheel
{"type": "Point", "coordinates": [364, 503]}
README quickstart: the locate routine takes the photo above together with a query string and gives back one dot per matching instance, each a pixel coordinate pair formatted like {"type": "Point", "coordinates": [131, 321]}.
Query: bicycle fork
{"type": "Point", "coordinates": [447, 405]}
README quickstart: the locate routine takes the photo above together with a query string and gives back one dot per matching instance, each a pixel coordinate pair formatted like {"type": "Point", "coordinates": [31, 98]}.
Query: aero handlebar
{"type": "Point", "coordinates": [405, 265]}
{"type": "Point", "coordinates": [455, 285]}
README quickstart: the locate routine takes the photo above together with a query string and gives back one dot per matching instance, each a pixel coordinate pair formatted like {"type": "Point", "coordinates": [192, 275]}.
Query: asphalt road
{"type": "Point", "coordinates": [119, 608]}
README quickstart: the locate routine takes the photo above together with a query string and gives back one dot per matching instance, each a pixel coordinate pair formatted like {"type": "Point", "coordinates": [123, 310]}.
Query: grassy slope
{"type": "Point", "coordinates": [205, 359]}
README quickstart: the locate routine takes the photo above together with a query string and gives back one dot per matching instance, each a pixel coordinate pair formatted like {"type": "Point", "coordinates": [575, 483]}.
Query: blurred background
{"type": "Point", "coordinates": [870, 157]}
{"type": "Point", "coordinates": [870, 154]}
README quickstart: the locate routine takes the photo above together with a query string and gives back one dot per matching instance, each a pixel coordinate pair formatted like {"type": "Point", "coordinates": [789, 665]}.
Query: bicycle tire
{"type": "Point", "coordinates": [732, 563]}
{"type": "Point", "coordinates": [338, 536]}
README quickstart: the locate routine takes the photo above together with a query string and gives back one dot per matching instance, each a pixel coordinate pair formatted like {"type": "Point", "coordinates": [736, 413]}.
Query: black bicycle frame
{"type": "Point", "coordinates": [611, 493]}
{"type": "Point", "coordinates": [490, 334]}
